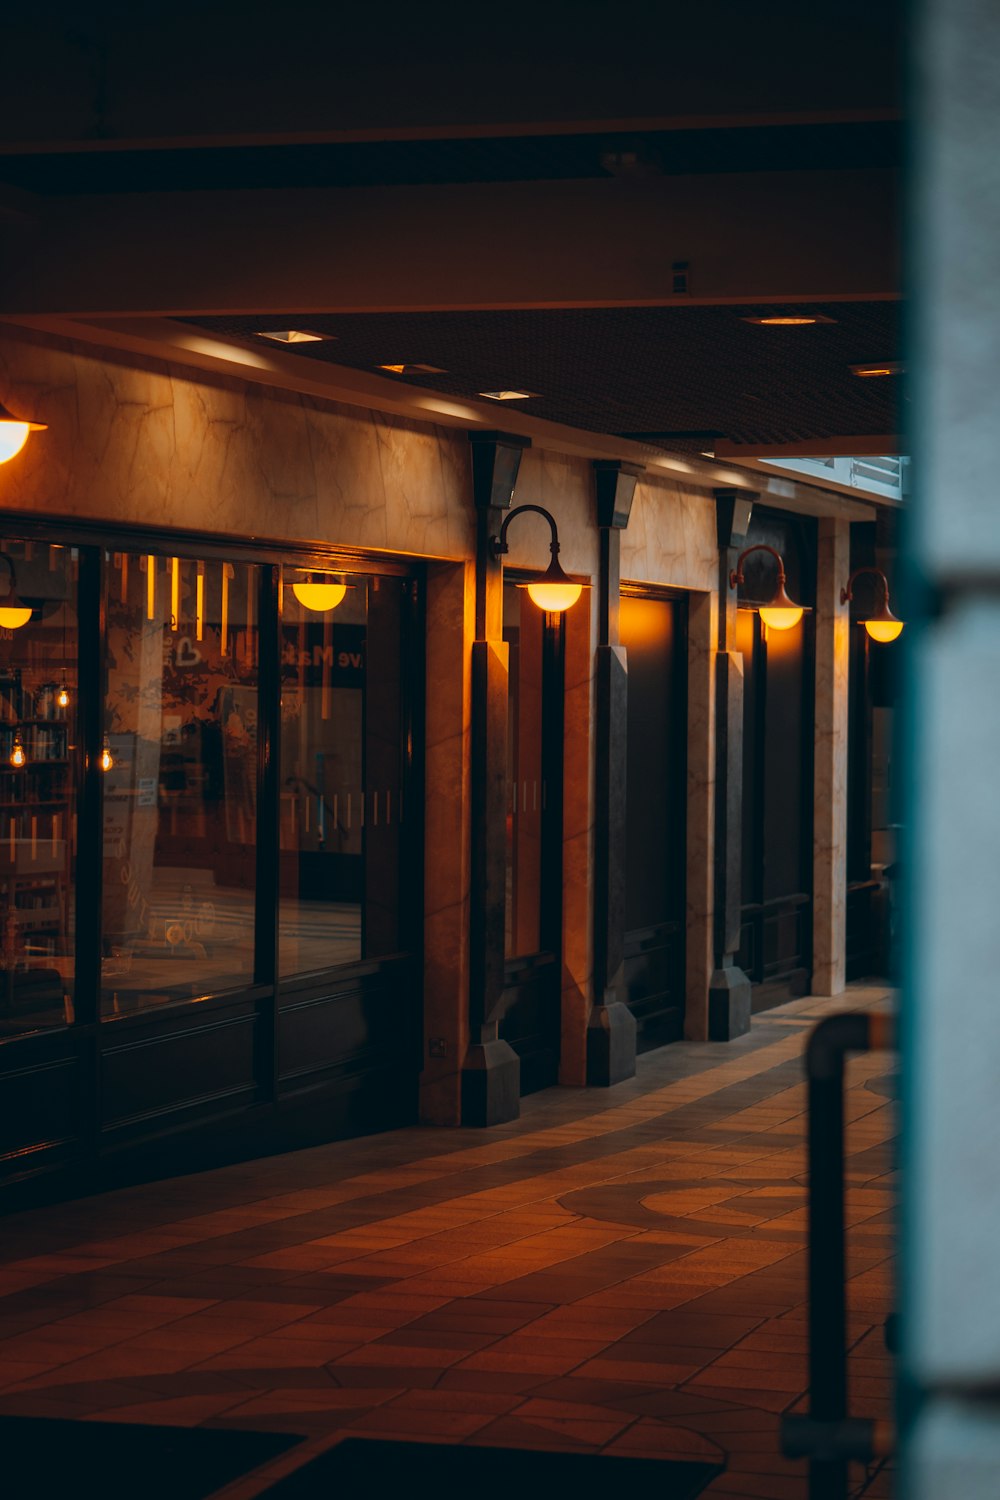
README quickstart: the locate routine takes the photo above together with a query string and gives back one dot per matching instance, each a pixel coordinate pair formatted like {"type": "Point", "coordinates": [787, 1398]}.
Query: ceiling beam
{"type": "Point", "coordinates": [867, 445]}
{"type": "Point", "coordinates": [748, 237]}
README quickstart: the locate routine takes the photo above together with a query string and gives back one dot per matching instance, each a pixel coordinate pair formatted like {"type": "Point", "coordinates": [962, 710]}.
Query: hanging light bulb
{"type": "Point", "coordinates": [13, 614]}
{"type": "Point", "coordinates": [62, 697]}
{"type": "Point", "coordinates": [881, 624]}
{"type": "Point", "coordinates": [779, 612]}
{"type": "Point", "coordinates": [17, 755]}
{"type": "Point", "coordinates": [107, 759]}
{"type": "Point", "coordinates": [555, 591]}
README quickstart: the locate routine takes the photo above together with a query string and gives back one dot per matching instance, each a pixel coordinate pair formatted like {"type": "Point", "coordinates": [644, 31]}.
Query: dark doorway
{"type": "Point", "coordinates": [654, 634]}
{"type": "Point", "coordinates": [531, 1020]}
{"type": "Point", "coordinates": [778, 668]}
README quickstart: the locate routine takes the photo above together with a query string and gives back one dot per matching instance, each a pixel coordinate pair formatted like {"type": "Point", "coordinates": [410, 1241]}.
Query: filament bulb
{"type": "Point", "coordinates": [17, 755]}
{"type": "Point", "coordinates": [107, 759]}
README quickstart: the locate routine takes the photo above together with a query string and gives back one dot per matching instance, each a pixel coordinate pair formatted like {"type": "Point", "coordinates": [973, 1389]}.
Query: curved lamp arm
{"type": "Point", "coordinates": [736, 576]}
{"type": "Point", "coordinates": [554, 591]}
{"type": "Point", "coordinates": [847, 594]}
{"type": "Point", "coordinates": [498, 544]}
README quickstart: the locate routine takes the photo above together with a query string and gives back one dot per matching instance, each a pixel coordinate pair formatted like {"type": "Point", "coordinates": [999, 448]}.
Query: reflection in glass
{"type": "Point", "coordinates": [180, 794]}
{"type": "Point", "coordinates": [341, 774]}
{"type": "Point", "coordinates": [38, 746]}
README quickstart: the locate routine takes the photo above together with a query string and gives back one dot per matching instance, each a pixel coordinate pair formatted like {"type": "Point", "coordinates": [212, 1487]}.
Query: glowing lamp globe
{"type": "Point", "coordinates": [554, 592]}
{"type": "Point", "coordinates": [14, 435]}
{"type": "Point", "coordinates": [884, 626]}
{"type": "Point", "coordinates": [14, 614]}
{"type": "Point", "coordinates": [320, 597]}
{"type": "Point", "coordinates": [781, 613]}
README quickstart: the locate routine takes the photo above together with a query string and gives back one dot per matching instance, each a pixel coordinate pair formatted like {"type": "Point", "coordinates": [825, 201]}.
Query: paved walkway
{"type": "Point", "coordinates": [619, 1271]}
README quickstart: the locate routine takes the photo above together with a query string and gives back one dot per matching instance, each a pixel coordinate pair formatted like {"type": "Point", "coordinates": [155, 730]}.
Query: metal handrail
{"type": "Point", "coordinates": [827, 1436]}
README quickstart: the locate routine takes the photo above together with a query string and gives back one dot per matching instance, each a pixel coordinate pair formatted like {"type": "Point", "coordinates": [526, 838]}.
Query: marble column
{"type": "Point", "coordinates": [699, 881]}
{"type": "Point", "coordinates": [833, 566]}
{"type": "Point", "coordinates": [611, 1029]}
{"type": "Point", "coordinates": [729, 989]}
{"type": "Point", "coordinates": [491, 1071]}
{"type": "Point", "coordinates": [447, 835]}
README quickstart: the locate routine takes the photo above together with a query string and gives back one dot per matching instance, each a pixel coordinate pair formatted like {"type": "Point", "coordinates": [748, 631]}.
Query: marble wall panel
{"type": "Point", "coordinates": [671, 537]}
{"type": "Point", "coordinates": [578, 839]}
{"type": "Point", "coordinates": [146, 442]}
{"type": "Point", "coordinates": [700, 871]}
{"type": "Point", "coordinates": [564, 486]}
{"type": "Point", "coordinates": [450, 631]}
{"type": "Point", "coordinates": [831, 753]}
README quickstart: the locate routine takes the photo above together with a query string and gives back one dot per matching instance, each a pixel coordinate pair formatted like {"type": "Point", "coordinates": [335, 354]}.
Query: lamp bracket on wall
{"type": "Point", "coordinates": [881, 625]}
{"type": "Point", "coordinates": [554, 591]}
{"type": "Point", "coordinates": [779, 612]}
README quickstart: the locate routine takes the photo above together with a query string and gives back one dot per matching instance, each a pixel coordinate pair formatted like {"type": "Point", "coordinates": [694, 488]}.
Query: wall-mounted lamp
{"type": "Point", "coordinates": [554, 591]}
{"type": "Point", "coordinates": [882, 625]}
{"type": "Point", "coordinates": [779, 612]}
{"type": "Point", "coordinates": [13, 614]}
{"type": "Point", "coordinates": [14, 433]}
{"type": "Point", "coordinates": [319, 593]}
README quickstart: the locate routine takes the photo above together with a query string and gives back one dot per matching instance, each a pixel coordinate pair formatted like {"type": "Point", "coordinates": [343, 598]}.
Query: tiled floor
{"type": "Point", "coordinates": [619, 1271]}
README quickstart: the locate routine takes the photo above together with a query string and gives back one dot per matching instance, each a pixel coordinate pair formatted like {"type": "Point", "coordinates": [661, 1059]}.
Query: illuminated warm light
{"type": "Point", "coordinates": [294, 336]}
{"type": "Point", "coordinates": [866, 371]}
{"type": "Point", "coordinates": [883, 630]}
{"type": "Point", "coordinates": [320, 597]}
{"type": "Point", "coordinates": [62, 697]}
{"type": "Point", "coordinates": [107, 759]}
{"type": "Point", "coordinates": [554, 591]}
{"type": "Point", "coordinates": [779, 612]}
{"type": "Point", "coordinates": [554, 597]}
{"type": "Point", "coordinates": [199, 603]}
{"type": "Point", "coordinates": [783, 322]}
{"type": "Point", "coordinates": [13, 616]}
{"type": "Point", "coordinates": [151, 587]}
{"type": "Point", "coordinates": [781, 618]}
{"type": "Point", "coordinates": [508, 395]}
{"type": "Point", "coordinates": [14, 434]}
{"type": "Point", "coordinates": [882, 625]}
{"type": "Point", "coordinates": [175, 593]}
{"type": "Point", "coordinates": [17, 755]}
{"type": "Point", "coordinates": [413, 369]}
{"type": "Point", "coordinates": [228, 571]}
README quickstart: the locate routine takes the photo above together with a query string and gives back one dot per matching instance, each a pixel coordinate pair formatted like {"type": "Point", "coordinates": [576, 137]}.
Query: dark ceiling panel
{"type": "Point", "coordinates": [674, 372]}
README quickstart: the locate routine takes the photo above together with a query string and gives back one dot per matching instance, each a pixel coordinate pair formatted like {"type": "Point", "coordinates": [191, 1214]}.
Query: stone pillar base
{"type": "Point", "coordinates": [491, 1084]}
{"type": "Point", "coordinates": [610, 1044]}
{"type": "Point", "coordinates": [728, 1004]}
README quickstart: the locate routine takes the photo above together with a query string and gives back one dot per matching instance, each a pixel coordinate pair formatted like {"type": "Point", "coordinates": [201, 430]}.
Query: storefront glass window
{"type": "Point", "coordinates": [38, 812]}
{"type": "Point", "coordinates": [180, 786]}
{"type": "Point", "coordinates": [342, 757]}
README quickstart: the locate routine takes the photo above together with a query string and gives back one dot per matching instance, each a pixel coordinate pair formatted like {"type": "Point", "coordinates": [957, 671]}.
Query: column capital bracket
{"type": "Point", "coordinates": [614, 485]}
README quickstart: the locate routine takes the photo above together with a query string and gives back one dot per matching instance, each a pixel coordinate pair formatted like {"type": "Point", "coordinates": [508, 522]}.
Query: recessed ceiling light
{"type": "Point", "coordinates": [788, 320]}
{"type": "Point", "coordinates": [887, 368]}
{"type": "Point", "coordinates": [407, 369]}
{"type": "Point", "coordinates": [294, 335]}
{"type": "Point", "coordinates": [508, 395]}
